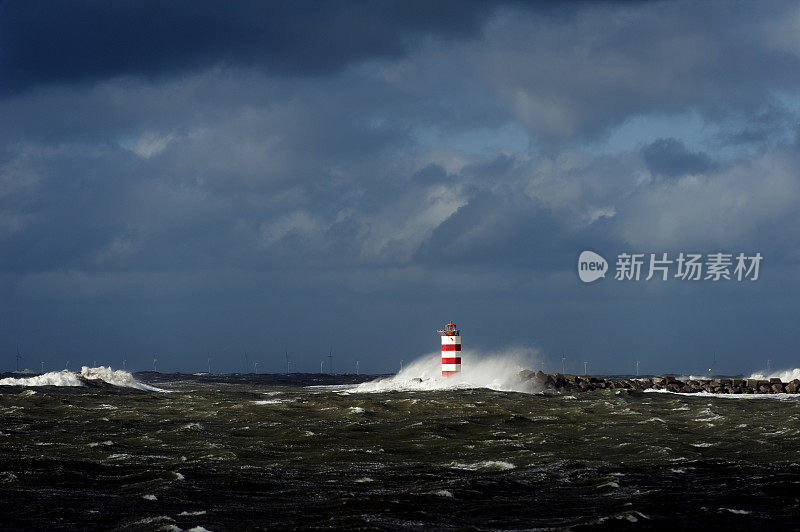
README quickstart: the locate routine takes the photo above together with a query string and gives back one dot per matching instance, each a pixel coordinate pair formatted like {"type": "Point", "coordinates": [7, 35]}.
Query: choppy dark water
{"type": "Point", "coordinates": [270, 452]}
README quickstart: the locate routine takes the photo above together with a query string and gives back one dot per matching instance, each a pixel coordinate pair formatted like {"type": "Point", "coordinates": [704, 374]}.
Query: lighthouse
{"type": "Point", "coordinates": [451, 349]}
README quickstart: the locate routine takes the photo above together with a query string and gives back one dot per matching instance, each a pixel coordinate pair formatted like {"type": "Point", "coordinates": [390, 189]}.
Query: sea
{"type": "Point", "coordinates": [104, 449]}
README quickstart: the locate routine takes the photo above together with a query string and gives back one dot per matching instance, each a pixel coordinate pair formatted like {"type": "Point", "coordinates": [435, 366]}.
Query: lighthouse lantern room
{"type": "Point", "coordinates": [451, 349]}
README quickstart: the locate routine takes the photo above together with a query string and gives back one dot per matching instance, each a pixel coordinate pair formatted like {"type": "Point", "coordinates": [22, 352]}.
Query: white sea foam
{"type": "Point", "coordinates": [730, 395]}
{"type": "Point", "coordinates": [163, 522]}
{"type": "Point", "coordinates": [496, 371]}
{"type": "Point", "coordinates": [685, 378]}
{"type": "Point", "coordinates": [7, 477]}
{"type": "Point", "coordinates": [785, 375]}
{"type": "Point", "coordinates": [486, 465]}
{"type": "Point", "coordinates": [734, 511]}
{"type": "Point", "coordinates": [54, 378]}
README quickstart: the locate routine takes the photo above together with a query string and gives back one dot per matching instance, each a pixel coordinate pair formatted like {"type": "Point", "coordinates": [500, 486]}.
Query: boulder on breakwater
{"type": "Point", "coordinates": [585, 383]}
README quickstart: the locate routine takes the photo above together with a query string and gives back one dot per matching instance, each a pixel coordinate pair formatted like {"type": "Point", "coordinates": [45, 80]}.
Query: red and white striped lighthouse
{"type": "Point", "coordinates": [451, 349]}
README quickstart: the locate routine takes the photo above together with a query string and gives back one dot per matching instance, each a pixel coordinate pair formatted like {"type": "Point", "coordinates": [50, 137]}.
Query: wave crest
{"type": "Point", "coordinates": [53, 378]}
{"type": "Point", "coordinates": [116, 377]}
{"type": "Point", "coordinates": [120, 378]}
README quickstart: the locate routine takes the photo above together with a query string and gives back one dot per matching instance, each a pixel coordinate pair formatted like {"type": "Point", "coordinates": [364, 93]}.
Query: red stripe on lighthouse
{"type": "Point", "coordinates": [456, 360]}
{"type": "Point", "coordinates": [451, 347]}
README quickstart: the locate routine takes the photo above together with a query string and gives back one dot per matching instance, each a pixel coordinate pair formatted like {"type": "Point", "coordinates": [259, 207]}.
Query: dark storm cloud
{"type": "Point", "coordinates": [509, 231]}
{"type": "Point", "coordinates": [69, 216]}
{"type": "Point", "coordinates": [181, 174]}
{"type": "Point", "coordinates": [671, 158]}
{"type": "Point", "coordinates": [55, 42]}
{"type": "Point", "coordinates": [575, 78]}
{"type": "Point", "coordinates": [772, 124]}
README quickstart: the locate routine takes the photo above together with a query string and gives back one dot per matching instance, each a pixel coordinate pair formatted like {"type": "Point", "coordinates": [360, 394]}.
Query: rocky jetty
{"type": "Point", "coordinates": [585, 383]}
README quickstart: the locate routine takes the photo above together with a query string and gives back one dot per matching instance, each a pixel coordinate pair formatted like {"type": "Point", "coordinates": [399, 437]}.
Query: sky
{"type": "Point", "coordinates": [193, 179]}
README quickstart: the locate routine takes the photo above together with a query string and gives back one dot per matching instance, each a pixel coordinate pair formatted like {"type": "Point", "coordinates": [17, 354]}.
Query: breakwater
{"type": "Point", "coordinates": [585, 383]}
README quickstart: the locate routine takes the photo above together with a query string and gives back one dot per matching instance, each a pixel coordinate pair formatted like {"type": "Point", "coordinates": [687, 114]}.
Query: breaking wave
{"type": "Point", "coordinates": [54, 378]}
{"type": "Point", "coordinates": [785, 375]}
{"type": "Point", "coordinates": [495, 371]}
{"type": "Point", "coordinates": [118, 377]}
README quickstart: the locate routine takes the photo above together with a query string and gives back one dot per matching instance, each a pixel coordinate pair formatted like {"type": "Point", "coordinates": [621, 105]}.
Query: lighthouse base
{"type": "Point", "coordinates": [451, 365]}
